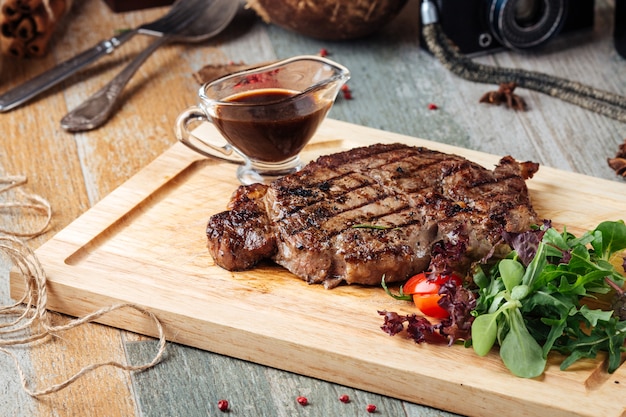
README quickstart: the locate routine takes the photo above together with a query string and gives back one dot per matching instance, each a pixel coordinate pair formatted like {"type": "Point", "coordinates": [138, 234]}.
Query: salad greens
{"type": "Point", "coordinates": [532, 301]}
{"type": "Point", "coordinates": [535, 300]}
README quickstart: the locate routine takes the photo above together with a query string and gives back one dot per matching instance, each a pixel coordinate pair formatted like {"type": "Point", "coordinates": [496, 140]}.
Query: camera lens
{"type": "Point", "coordinates": [521, 24]}
{"type": "Point", "coordinates": [528, 13]}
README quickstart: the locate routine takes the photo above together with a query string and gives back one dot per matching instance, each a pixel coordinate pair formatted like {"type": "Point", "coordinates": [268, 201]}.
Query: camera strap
{"type": "Point", "coordinates": [603, 102]}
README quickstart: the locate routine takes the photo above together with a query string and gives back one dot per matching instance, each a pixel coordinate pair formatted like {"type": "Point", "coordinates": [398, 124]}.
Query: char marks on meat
{"type": "Point", "coordinates": [385, 209]}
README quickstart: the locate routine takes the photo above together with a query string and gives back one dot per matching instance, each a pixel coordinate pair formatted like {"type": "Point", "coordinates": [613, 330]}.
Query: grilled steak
{"type": "Point", "coordinates": [379, 210]}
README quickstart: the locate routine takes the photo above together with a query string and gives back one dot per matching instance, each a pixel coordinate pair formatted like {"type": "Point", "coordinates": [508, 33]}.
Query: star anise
{"type": "Point", "coordinates": [619, 162]}
{"type": "Point", "coordinates": [504, 95]}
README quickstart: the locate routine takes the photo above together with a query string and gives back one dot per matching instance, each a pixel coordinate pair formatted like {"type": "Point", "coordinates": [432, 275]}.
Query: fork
{"type": "Point", "coordinates": [180, 14]}
{"type": "Point", "coordinates": [96, 110]}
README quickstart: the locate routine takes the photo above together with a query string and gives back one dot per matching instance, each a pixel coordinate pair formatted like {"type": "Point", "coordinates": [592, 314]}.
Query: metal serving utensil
{"type": "Point", "coordinates": [97, 109]}
{"type": "Point", "coordinates": [180, 14]}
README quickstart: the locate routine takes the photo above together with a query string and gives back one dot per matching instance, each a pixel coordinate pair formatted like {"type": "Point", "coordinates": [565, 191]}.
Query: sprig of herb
{"type": "Point", "coordinates": [531, 308]}
{"type": "Point", "coordinates": [370, 226]}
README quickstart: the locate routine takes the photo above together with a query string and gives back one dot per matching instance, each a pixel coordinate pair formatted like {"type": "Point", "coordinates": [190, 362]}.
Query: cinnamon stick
{"type": "Point", "coordinates": [7, 29]}
{"type": "Point", "coordinates": [13, 47]}
{"type": "Point", "coordinates": [10, 12]}
{"type": "Point", "coordinates": [25, 29]}
{"type": "Point", "coordinates": [9, 18]}
{"type": "Point", "coordinates": [58, 8]}
{"type": "Point", "coordinates": [46, 25]}
{"type": "Point", "coordinates": [42, 21]}
{"type": "Point", "coordinates": [32, 22]}
{"type": "Point", "coordinates": [28, 6]}
{"type": "Point", "coordinates": [38, 46]}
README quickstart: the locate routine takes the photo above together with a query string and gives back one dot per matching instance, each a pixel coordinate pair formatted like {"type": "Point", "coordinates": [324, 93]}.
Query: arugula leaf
{"type": "Point", "coordinates": [557, 328]}
{"type": "Point", "coordinates": [593, 316]}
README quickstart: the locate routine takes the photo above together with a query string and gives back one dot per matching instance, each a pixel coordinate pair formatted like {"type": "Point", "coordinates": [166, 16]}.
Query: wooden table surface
{"type": "Point", "coordinates": [393, 82]}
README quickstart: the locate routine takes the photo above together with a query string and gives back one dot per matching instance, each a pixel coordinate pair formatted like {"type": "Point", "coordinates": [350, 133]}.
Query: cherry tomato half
{"type": "Point", "coordinates": [425, 293]}
{"type": "Point", "coordinates": [428, 304]}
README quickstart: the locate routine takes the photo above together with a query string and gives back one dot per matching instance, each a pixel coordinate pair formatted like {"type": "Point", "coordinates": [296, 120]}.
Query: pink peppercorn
{"type": "Point", "coordinates": [371, 408]}
{"type": "Point", "coordinates": [432, 106]}
{"type": "Point", "coordinates": [345, 90]}
{"type": "Point", "coordinates": [222, 405]}
{"type": "Point", "coordinates": [344, 399]}
{"type": "Point", "coordinates": [302, 400]}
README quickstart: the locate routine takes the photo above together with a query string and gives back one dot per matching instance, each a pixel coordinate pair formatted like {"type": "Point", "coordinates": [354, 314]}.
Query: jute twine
{"type": "Point", "coordinates": [28, 319]}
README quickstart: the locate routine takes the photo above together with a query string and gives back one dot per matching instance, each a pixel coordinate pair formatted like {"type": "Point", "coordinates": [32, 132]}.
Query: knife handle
{"type": "Point", "coordinates": [52, 77]}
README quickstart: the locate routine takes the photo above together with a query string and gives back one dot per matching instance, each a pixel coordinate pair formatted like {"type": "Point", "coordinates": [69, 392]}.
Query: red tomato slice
{"type": "Point", "coordinates": [428, 305]}
{"type": "Point", "coordinates": [420, 284]}
{"type": "Point", "coordinates": [425, 293]}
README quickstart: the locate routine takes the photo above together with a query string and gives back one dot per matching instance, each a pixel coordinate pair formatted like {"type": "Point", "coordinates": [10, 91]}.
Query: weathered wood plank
{"type": "Point", "coordinates": [393, 82]}
{"type": "Point", "coordinates": [250, 389]}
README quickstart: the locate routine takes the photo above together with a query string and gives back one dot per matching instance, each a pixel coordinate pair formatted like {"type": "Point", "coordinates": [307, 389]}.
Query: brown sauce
{"type": "Point", "coordinates": [270, 128]}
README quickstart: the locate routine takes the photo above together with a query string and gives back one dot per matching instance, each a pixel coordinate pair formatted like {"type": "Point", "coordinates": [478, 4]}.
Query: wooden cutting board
{"type": "Point", "coordinates": [145, 244]}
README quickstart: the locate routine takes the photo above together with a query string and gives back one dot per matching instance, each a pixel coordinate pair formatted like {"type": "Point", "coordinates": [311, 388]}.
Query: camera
{"type": "Point", "coordinates": [482, 26]}
{"type": "Point", "coordinates": [619, 31]}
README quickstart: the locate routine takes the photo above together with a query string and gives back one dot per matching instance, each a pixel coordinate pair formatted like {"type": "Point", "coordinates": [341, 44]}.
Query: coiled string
{"type": "Point", "coordinates": [27, 320]}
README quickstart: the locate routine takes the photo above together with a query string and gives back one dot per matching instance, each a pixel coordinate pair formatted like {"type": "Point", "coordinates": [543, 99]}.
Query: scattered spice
{"type": "Point", "coordinates": [222, 405]}
{"type": "Point", "coordinates": [302, 400]}
{"type": "Point", "coordinates": [262, 77]}
{"type": "Point", "coordinates": [347, 93]}
{"type": "Point", "coordinates": [371, 408]}
{"type": "Point", "coordinates": [323, 52]}
{"type": "Point", "coordinates": [618, 163]}
{"type": "Point", "coordinates": [214, 71]}
{"type": "Point", "coordinates": [344, 398]}
{"type": "Point", "coordinates": [432, 106]}
{"type": "Point", "coordinates": [504, 95]}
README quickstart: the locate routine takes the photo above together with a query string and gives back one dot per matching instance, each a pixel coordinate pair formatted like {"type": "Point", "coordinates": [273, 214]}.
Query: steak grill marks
{"type": "Point", "coordinates": [411, 198]}
{"type": "Point", "coordinates": [357, 199]}
{"type": "Point", "coordinates": [352, 191]}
